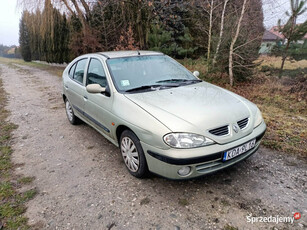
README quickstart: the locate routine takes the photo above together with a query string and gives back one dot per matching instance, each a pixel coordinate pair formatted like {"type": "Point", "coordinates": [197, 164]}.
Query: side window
{"type": "Point", "coordinates": [96, 74]}
{"type": "Point", "coordinates": [72, 70]}
{"type": "Point", "coordinates": [79, 71]}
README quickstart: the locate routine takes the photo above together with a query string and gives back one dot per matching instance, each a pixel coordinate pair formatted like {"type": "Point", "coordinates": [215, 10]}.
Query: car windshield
{"type": "Point", "coordinates": [142, 73]}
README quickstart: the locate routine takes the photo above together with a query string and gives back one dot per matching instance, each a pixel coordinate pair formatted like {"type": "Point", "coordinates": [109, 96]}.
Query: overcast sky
{"type": "Point", "coordinates": [9, 18]}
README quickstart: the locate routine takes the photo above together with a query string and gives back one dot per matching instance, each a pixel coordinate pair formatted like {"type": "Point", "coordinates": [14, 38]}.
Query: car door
{"type": "Point", "coordinates": [75, 89]}
{"type": "Point", "coordinates": [98, 106]}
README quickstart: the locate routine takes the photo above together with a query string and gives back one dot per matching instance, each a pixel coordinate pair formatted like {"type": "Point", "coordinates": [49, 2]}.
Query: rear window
{"type": "Point", "coordinates": [71, 71]}
{"type": "Point", "coordinates": [79, 70]}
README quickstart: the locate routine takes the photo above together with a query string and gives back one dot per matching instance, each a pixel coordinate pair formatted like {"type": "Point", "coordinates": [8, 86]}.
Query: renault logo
{"type": "Point", "coordinates": [235, 128]}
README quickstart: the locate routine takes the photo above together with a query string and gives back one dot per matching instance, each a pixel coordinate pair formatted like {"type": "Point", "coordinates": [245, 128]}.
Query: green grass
{"type": "Point", "coordinates": [25, 180]}
{"type": "Point", "coordinates": [12, 202]}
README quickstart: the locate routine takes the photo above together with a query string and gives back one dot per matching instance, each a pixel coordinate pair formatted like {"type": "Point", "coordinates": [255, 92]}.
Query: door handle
{"type": "Point", "coordinates": [85, 97]}
{"type": "Point", "coordinates": [66, 87]}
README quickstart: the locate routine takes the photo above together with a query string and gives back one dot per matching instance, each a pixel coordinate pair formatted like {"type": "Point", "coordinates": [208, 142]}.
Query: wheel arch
{"type": "Point", "coordinates": [119, 130]}
{"type": "Point", "coordinates": [64, 97]}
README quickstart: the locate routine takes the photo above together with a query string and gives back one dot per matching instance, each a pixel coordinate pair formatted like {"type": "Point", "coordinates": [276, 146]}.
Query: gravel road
{"type": "Point", "coordinates": [82, 181]}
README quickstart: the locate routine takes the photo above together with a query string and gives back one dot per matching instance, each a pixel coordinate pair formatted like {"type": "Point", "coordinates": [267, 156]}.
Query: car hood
{"type": "Point", "coordinates": [196, 108]}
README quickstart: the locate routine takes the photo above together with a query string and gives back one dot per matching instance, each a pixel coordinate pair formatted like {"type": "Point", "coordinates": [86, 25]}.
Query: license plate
{"type": "Point", "coordinates": [239, 150]}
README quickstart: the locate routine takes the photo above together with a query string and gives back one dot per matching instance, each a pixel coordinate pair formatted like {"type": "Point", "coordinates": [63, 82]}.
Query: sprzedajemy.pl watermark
{"type": "Point", "coordinates": [273, 219]}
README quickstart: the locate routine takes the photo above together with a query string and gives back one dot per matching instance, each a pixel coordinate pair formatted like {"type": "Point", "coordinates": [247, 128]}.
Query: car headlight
{"type": "Point", "coordinates": [258, 118]}
{"type": "Point", "coordinates": [186, 140]}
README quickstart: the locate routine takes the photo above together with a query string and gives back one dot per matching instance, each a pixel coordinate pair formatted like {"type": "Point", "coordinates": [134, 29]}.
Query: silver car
{"type": "Point", "coordinates": [164, 119]}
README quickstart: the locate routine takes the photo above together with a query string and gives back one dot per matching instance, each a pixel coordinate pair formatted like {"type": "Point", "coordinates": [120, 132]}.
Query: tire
{"type": "Point", "coordinates": [70, 113]}
{"type": "Point", "coordinates": [133, 154]}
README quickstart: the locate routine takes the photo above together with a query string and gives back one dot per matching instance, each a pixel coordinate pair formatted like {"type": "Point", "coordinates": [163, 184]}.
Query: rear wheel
{"type": "Point", "coordinates": [133, 154]}
{"type": "Point", "coordinates": [70, 113]}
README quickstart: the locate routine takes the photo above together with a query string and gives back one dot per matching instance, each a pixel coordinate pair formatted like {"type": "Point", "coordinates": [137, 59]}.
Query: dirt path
{"type": "Point", "coordinates": [83, 183]}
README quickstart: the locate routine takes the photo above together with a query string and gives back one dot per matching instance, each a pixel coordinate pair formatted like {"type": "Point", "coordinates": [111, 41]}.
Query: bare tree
{"type": "Point", "coordinates": [221, 33]}
{"type": "Point", "coordinates": [233, 41]}
{"type": "Point", "coordinates": [209, 34]}
{"type": "Point", "coordinates": [81, 10]}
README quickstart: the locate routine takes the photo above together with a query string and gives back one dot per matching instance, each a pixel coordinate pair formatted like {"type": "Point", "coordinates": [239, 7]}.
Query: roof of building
{"type": "Point", "coordinates": [269, 36]}
{"type": "Point", "coordinates": [275, 30]}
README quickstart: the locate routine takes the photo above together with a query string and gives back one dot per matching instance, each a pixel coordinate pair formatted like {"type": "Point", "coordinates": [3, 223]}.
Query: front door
{"type": "Point", "coordinates": [98, 105]}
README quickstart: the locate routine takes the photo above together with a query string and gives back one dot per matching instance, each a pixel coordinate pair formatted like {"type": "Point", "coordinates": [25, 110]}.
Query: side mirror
{"type": "Point", "coordinates": [196, 73]}
{"type": "Point", "coordinates": [95, 88]}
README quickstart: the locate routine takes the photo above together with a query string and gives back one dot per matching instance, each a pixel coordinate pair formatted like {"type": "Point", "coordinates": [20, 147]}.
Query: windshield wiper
{"type": "Point", "coordinates": [152, 87]}
{"type": "Point", "coordinates": [180, 80]}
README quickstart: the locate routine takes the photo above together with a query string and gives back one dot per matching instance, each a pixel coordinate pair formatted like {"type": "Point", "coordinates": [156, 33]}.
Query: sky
{"type": "Point", "coordinates": [9, 18]}
{"type": "Point", "coordinates": [9, 22]}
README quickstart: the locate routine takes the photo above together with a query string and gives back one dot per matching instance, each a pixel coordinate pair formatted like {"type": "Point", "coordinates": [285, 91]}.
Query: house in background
{"type": "Point", "coordinates": [270, 39]}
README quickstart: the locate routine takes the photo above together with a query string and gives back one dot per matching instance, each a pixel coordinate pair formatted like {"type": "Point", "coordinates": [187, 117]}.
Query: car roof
{"type": "Point", "coordinates": [130, 53]}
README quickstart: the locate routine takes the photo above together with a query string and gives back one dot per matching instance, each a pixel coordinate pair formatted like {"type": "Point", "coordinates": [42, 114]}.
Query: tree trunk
{"type": "Point", "coordinates": [221, 34]}
{"type": "Point", "coordinates": [230, 64]}
{"type": "Point", "coordinates": [284, 57]}
{"type": "Point", "coordinates": [209, 35]}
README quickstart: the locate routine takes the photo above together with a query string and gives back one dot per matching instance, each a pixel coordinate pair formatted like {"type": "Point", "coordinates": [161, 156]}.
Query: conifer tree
{"type": "Point", "coordinates": [24, 38]}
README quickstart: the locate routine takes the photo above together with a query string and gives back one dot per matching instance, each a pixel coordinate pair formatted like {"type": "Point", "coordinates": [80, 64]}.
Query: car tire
{"type": "Point", "coordinates": [70, 113]}
{"type": "Point", "coordinates": [133, 154]}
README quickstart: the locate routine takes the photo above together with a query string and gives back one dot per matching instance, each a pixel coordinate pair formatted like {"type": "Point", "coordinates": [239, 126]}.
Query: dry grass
{"type": "Point", "coordinates": [284, 108]}
{"type": "Point", "coordinates": [56, 70]}
{"type": "Point", "coordinates": [275, 62]}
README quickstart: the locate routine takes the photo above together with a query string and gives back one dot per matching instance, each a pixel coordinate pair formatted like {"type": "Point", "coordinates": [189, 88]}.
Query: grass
{"type": "Point", "coordinates": [283, 102]}
{"type": "Point", "coordinates": [56, 70]}
{"type": "Point", "coordinates": [275, 62]}
{"type": "Point", "coordinates": [12, 202]}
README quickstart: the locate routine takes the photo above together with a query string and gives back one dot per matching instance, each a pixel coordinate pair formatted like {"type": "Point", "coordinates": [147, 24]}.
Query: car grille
{"type": "Point", "coordinates": [221, 131]}
{"type": "Point", "coordinates": [243, 123]}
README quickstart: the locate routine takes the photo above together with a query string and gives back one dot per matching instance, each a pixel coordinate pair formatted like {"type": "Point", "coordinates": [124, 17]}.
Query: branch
{"type": "Point", "coordinates": [247, 42]}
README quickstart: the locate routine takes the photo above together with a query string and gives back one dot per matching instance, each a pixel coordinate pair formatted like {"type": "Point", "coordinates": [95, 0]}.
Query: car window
{"type": "Point", "coordinates": [72, 70]}
{"type": "Point", "coordinates": [79, 72]}
{"type": "Point", "coordinates": [96, 73]}
{"type": "Point", "coordinates": [133, 72]}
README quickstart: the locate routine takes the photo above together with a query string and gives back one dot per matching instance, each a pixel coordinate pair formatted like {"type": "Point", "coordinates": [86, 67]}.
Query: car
{"type": "Point", "coordinates": [163, 118]}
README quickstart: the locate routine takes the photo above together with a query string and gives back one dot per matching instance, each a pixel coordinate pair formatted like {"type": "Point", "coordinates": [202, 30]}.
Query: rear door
{"type": "Point", "coordinates": [98, 106]}
{"type": "Point", "coordinates": [76, 91]}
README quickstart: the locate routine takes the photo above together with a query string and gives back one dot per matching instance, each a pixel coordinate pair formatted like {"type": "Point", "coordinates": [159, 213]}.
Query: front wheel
{"type": "Point", "coordinates": [133, 154]}
{"type": "Point", "coordinates": [70, 113]}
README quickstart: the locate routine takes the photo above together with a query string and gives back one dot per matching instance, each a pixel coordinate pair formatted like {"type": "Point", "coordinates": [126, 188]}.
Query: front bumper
{"type": "Point", "coordinates": [202, 160]}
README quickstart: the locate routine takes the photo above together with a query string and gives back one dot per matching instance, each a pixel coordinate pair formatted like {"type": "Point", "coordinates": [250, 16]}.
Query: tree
{"type": "Point", "coordinates": [290, 30]}
{"type": "Point", "coordinates": [221, 33]}
{"type": "Point", "coordinates": [233, 41]}
{"type": "Point", "coordinates": [24, 38]}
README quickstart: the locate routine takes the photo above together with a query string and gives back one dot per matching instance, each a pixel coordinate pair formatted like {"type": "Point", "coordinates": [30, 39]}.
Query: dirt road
{"type": "Point", "coordinates": [83, 183]}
